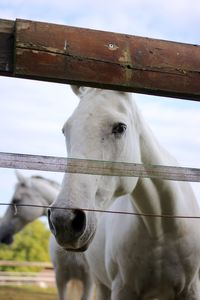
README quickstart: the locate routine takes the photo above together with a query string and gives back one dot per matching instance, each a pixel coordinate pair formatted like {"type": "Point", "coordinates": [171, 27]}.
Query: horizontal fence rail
{"type": "Point", "coordinates": [29, 278]}
{"type": "Point", "coordinates": [44, 278]}
{"type": "Point", "coordinates": [95, 167]}
{"type": "Point", "coordinates": [11, 263]}
{"type": "Point", "coordinates": [65, 54]}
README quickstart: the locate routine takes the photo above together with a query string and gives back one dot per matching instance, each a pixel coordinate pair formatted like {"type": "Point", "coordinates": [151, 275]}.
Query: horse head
{"type": "Point", "coordinates": [18, 214]}
{"type": "Point", "coordinates": [103, 127]}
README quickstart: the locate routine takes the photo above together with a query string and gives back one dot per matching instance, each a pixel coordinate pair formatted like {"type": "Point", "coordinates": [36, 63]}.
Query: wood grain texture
{"type": "Point", "coordinates": [95, 167]}
{"type": "Point", "coordinates": [72, 55]}
{"type": "Point", "coordinates": [107, 60]}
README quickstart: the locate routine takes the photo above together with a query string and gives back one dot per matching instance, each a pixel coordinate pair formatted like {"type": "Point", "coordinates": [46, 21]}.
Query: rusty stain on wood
{"type": "Point", "coordinates": [126, 60]}
{"type": "Point", "coordinates": [101, 59]}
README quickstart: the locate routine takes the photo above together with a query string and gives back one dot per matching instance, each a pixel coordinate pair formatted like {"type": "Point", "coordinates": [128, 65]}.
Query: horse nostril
{"type": "Point", "coordinates": [66, 225]}
{"type": "Point", "coordinates": [79, 221]}
{"type": "Point", "coordinates": [51, 226]}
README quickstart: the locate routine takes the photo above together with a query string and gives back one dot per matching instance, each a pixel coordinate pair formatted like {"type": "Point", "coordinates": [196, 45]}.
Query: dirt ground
{"type": "Point", "coordinates": [26, 293]}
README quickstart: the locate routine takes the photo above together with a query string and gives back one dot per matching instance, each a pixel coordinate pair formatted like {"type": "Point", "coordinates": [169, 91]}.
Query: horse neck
{"type": "Point", "coordinates": [157, 196]}
{"type": "Point", "coordinates": [47, 192]}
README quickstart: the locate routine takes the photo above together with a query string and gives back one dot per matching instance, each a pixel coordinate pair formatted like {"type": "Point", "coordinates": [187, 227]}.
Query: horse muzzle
{"type": "Point", "coordinates": [6, 235]}
{"type": "Point", "coordinates": [69, 228]}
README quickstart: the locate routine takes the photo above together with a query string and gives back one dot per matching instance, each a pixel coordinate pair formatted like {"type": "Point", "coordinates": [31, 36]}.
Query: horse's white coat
{"type": "Point", "coordinates": [145, 258]}
{"type": "Point", "coordinates": [42, 191]}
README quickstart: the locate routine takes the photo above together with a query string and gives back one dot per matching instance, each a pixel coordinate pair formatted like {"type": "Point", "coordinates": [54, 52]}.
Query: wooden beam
{"type": "Point", "coordinates": [101, 59]}
{"type": "Point", "coordinates": [95, 167]}
{"type": "Point", "coordinates": [6, 47]}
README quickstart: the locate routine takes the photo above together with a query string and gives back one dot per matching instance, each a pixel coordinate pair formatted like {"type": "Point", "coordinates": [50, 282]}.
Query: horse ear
{"type": "Point", "coordinates": [75, 89]}
{"type": "Point", "coordinates": [78, 90]}
{"type": "Point", "coordinates": [20, 177]}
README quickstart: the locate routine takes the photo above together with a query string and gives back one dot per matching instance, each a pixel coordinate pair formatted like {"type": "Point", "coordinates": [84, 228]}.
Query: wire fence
{"type": "Point", "coordinates": [95, 167]}
{"type": "Point", "coordinates": [24, 31]}
{"type": "Point", "coordinates": [15, 206]}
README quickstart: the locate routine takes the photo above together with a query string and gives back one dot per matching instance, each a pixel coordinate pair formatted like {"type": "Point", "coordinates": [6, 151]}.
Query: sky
{"type": "Point", "coordinates": [32, 112]}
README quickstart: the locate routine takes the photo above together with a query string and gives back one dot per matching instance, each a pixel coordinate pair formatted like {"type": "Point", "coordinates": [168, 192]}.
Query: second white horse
{"type": "Point", "coordinates": [40, 191]}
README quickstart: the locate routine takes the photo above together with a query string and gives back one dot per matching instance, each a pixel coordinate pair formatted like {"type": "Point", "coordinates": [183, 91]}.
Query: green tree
{"type": "Point", "coordinates": [31, 244]}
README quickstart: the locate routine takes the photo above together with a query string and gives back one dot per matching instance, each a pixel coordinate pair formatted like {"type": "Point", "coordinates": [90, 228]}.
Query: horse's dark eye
{"type": "Point", "coordinates": [119, 129]}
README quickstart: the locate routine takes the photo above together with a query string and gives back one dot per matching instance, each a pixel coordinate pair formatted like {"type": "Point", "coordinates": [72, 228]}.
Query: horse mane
{"type": "Point", "coordinates": [50, 181]}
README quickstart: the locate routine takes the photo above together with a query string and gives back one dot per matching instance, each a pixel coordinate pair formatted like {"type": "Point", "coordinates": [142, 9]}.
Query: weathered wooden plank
{"type": "Point", "coordinates": [6, 47]}
{"type": "Point", "coordinates": [107, 60]}
{"type": "Point", "coordinates": [94, 167]}
{"type": "Point", "coordinates": [94, 58]}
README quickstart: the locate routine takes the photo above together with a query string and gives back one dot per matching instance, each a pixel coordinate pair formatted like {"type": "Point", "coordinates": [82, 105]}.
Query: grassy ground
{"type": "Point", "coordinates": [26, 293]}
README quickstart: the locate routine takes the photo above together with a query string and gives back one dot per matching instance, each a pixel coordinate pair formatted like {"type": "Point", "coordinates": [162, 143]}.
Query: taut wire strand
{"type": "Point", "coordinates": [103, 211]}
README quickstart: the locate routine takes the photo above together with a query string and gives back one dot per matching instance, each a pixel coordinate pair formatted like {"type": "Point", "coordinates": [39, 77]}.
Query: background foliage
{"type": "Point", "coordinates": [31, 244]}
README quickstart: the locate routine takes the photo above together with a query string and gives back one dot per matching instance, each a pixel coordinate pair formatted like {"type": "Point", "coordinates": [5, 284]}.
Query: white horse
{"type": "Point", "coordinates": [144, 258]}
{"type": "Point", "coordinates": [37, 190]}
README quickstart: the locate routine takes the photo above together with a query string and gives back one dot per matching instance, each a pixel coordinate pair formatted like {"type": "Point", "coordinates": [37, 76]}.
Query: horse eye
{"type": "Point", "coordinates": [119, 129]}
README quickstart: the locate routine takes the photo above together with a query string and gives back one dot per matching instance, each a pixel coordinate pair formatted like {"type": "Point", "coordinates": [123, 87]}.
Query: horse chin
{"type": "Point", "coordinates": [78, 246]}
{"type": "Point", "coordinates": [81, 249]}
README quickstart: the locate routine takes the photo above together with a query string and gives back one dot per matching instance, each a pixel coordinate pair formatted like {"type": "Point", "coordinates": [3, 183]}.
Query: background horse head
{"type": "Point", "coordinates": [39, 191]}
{"type": "Point", "coordinates": [34, 190]}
